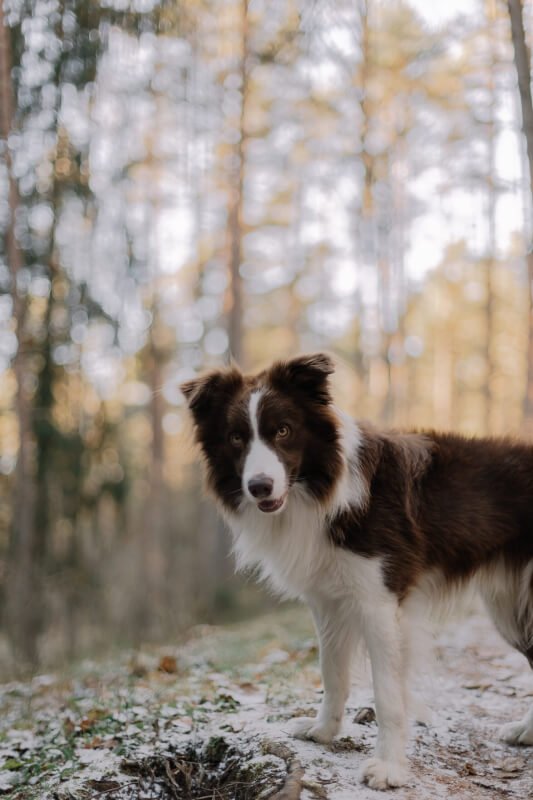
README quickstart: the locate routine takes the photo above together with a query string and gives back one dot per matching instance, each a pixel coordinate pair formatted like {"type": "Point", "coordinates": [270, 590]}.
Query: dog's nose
{"type": "Point", "coordinates": [260, 486]}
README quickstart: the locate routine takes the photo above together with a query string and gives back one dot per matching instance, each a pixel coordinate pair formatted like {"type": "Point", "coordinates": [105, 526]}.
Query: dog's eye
{"type": "Point", "coordinates": [283, 431]}
{"type": "Point", "coordinates": [235, 439]}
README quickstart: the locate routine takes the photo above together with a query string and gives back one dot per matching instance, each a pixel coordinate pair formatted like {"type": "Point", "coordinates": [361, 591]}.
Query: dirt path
{"type": "Point", "coordinates": [130, 728]}
{"type": "Point", "coordinates": [478, 684]}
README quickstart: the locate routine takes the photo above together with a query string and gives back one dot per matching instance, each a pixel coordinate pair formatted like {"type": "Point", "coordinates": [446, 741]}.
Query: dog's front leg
{"type": "Point", "coordinates": [336, 631]}
{"type": "Point", "coordinates": [382, 632]}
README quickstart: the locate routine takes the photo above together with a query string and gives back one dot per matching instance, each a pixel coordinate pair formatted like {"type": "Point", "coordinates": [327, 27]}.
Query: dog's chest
{"type": "Point", "coordinates": [295, 556]}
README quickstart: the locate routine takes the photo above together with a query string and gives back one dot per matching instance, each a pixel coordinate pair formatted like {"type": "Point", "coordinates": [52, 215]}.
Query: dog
{"type": "Point", "coordinates": [369, 528]}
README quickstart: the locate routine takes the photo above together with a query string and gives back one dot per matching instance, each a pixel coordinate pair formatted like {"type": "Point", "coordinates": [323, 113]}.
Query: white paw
{"type": "Point", "coordinates": [516, 733]}
{"type": "Point", "coordinates": [313, 728]}
{"type": "Point", "coordinates": [380, 774]}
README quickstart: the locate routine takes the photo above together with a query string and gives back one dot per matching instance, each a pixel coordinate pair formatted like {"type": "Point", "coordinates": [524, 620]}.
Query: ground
{"type": "Point", "coordinates": [210, 719]}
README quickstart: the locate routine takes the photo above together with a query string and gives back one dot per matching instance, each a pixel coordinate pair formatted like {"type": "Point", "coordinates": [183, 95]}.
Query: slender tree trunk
{"type": "Point", "coordinates": [400, 381]}
{"type": "Point", "coordinates": [522, 61]}
{"type": "Point", "coordinates": [380, 367]}
{"type": "Point", "coordinates": [21, 582]}
{"type": "Point", "coordinates": [522, 58]}
{"type": "Point", "coordinates": [234, 299]}
{"type": "Point", "coordinates": [152, 573]}
{"type": "Point", "coordinates": [491, 218]}
{"type": "Point", "coordinates": [372, 363]}
{"type": "Point", "coordinates": [236, 202]}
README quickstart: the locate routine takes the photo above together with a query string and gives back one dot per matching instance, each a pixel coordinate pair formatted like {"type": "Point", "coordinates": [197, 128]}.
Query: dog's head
{"type": "Point", "coordinates": [261, 435]}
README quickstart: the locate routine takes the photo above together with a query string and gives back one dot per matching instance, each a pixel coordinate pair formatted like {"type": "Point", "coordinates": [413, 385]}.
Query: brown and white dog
{"type": "Point", "coordinates": [368, 528]}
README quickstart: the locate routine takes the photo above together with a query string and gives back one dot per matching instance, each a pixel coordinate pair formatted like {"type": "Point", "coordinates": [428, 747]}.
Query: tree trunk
{"type": "Point", "coordinates": [522, 62]}
{"type": "Point", "coordinates": [235, 214]}
{"type": "Point", "coordinates": [366, 203]}
{"type": "Point", "coordinates": [154, 545]}
{"type": "Point", "coordinates": [491, 218]}
{"type": "Point", "coordinates": [21, 606]}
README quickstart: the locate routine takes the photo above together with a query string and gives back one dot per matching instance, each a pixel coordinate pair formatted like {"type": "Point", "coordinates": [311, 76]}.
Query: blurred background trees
{"type": "Point", "coordinates": [185, 181]}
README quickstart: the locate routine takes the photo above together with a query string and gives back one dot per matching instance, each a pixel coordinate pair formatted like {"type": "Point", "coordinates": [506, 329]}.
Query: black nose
{"type": "Point", "coordinates": [260, 486]}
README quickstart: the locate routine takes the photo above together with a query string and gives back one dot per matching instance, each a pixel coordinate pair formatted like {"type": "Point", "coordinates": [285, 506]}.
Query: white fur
{"type": "Point", "coordinates": [337, 634]}
{"type": "Point", "coordinates": [519, 732]}
{"type": "Point", "coordinates": [435, 600]}
{"type": "Point", "coordinates": [287, 549]}
{"type": "Point", "coordinates": [351, 489]}
{"type": "Point", "coordinates": [507, 595]}
{"type": "Point", "coordinates": [505, 591]}
{"type": "Point", "coordinates": [261, 459]}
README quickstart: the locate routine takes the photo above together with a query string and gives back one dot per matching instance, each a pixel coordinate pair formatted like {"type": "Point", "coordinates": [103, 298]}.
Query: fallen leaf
{"type": "Point", "coordinates": [12, 764]}
{"type": "Point", "coordinates": [365, 716]}
{"type": "Point", "coordinates": [302, 712]}
{"type": "Point", "coordinates": [270, 747]}
{"type": "Point", "coordinates": [94, 716]}
{"type": "Point", "coordinates": [511, 764]}
{"type": "Point", "coordinates": [247, 686]}
{"type": "Point", "coordinates": [104, 785]}
{"type": "Point", "coordinates": [477, 684]}
{"type": "Point", "coordinates": [347, 744]}
{"type": "Point", "coordinates": [168, 664]}
{"type": "Point", "coordinates": [95, 743]}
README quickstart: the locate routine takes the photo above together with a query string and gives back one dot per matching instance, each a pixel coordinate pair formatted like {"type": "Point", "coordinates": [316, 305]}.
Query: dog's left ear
{"type": "Point", "coordinates": [207, 392]}
{"type": "Point", "coordinates": [308, 374]}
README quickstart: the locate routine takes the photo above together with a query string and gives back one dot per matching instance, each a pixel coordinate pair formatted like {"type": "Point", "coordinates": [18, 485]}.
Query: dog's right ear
{"type": "Point", "coordinates": [205, 393]}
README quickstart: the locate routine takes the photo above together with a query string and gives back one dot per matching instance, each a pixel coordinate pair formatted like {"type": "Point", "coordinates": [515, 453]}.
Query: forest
{"type": "Point", "coordinates": [185, 182]}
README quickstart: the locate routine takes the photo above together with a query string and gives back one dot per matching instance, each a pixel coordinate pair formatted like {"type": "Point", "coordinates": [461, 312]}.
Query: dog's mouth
{"type": "Point", "coordinates": [269, 506]}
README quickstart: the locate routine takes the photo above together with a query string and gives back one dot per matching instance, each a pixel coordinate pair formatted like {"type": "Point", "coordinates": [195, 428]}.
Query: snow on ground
{"type": "Point", "coordinates": [118, 729]}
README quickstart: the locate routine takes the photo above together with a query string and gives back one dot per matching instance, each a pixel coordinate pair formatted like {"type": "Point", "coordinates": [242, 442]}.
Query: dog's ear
{"type": "Point", "coordinates": [309, 374]}
{"type": "Point", "coordinates": [209, 391]}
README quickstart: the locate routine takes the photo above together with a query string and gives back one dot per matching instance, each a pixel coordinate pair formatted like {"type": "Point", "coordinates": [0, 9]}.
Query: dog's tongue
{"type": "Point", "coordinates": [270, 505]}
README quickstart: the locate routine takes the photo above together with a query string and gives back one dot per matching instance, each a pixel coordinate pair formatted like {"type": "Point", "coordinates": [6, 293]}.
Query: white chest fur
{"type": "Point", "coordinates": [289, 550]}
{"type": "Point", "coordinates": [293, 554]}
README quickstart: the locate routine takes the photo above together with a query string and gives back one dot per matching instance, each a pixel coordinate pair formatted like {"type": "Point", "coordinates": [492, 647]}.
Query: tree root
{"type": "Point", "coordinates": [292, 788]}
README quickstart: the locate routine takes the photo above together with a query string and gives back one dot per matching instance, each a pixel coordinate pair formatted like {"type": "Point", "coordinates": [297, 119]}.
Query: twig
{"type": "Point", "coordinates": [173, 784]}
{"type": "Point", "coordinates": [292, 788]}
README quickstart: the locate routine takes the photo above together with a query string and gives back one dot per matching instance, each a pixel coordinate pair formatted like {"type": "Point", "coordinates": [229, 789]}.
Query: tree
{"type": "Point", "coordinates": [236, 192]}
{"type": "Point", "coordinates": [22, 595]}
{"type": "Point", "coordinates": [522, 59]}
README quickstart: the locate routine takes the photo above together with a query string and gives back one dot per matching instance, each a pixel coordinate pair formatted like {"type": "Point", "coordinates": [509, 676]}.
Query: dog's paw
{"type": "Point", "coordinates": [517, 733]}
{"type": "Point", "coordinates": [312, 728]}
{"type": "Point", "coordinates": [380, 774]}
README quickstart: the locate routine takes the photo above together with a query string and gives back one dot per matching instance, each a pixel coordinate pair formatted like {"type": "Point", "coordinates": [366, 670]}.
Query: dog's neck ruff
{"type": "Point", "coordinates": [290, 551]}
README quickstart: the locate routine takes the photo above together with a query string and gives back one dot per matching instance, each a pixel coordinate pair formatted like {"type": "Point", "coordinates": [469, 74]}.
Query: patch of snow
{"type": "Point", "coordinates": [8, 780]}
